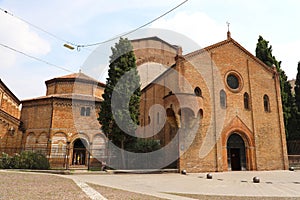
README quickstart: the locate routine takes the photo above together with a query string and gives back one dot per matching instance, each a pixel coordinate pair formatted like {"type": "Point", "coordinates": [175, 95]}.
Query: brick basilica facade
{"type": "Point", "coordinates": [221, 103]}
{"type": "Point", "coordinates": [10, 133]}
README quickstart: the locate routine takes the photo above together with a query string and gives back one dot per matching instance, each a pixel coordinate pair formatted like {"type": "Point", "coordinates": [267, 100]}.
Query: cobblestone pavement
{"type": "Point", "coordinates": [226, 186]}
{"type": "Point", "coordinates": [16, 185]}
{"type": "Point", "coordinates": [280, 184]}
{"type": "Point", "coordinates": [32, 185]}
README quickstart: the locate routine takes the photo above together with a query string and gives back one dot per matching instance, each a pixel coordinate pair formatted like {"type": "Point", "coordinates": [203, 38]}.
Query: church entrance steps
{"type": "Point", "coordinates": [78, 167]}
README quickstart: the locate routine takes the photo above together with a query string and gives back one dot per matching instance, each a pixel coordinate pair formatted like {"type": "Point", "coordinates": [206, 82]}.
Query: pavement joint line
{"type": "Point", "coordinates": [90, 192]}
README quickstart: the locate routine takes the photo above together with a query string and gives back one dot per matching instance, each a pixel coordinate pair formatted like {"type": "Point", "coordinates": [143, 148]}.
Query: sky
{"type": "Point", "coordinates": [92, 21]}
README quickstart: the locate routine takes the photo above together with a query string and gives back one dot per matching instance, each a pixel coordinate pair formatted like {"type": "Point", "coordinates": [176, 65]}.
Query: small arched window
{"type": "Point", "coordinates": [198, 92]}
{"type": "Point", "coordinates": [85, 111]}
{"type": "Point", "coordinates": [200, 113]}
{"type": "Point", "coordinates": [267, 103]}
{"type": "Point", "coordinates": [223, 99]}
{"type": "Point", "coordinates": [82, 111]}
{"type": "Point", "coordinates": [246, 101]}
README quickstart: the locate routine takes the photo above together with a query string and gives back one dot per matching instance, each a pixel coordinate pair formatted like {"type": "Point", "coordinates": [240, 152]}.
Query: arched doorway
{"type": "Point", "coordinates": [236, 153]}
{"type": "Point", "coordinates": [79, 152]}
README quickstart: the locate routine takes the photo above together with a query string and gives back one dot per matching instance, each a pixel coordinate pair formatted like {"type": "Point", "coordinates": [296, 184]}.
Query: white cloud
{"type": "Point", "coordinates": [289, 54]}
{"type": "Point", "coordinates": [197, 26]}
{"type": "Point", "coordinates": [18, 35]}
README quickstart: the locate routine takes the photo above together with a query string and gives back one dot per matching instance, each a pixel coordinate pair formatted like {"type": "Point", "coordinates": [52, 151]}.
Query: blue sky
{"type": "Point", "coordinates": [90, 21]}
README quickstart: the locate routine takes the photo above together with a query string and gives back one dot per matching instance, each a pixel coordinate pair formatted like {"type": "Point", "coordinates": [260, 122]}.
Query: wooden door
{"type": "Point", "coordinates": [235, 158]}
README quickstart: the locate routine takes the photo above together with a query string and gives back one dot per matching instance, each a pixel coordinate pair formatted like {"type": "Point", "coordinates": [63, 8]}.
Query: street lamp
{"type": "Point", "coordinates": [69, 46]}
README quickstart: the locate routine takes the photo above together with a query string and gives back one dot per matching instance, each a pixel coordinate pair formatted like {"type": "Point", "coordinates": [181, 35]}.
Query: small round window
{"type": "Point", "coordinates": [233, 81]}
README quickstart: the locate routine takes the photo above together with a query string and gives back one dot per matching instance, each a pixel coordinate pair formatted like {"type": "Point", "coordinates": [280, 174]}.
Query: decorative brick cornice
{"type": "Point", "coordinates": [7, 91]}
{"type": "Point", "coordinates": [7, 117]}
{"type": "Point", "coordinates": [226, 42]}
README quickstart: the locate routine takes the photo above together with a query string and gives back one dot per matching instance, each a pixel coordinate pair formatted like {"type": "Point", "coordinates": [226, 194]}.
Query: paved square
{"type": "Point", "coordinates": [272, 183]}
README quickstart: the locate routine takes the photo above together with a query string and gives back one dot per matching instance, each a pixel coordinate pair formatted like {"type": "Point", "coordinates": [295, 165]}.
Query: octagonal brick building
{"type": "Point", "coordinates": [64, 121]}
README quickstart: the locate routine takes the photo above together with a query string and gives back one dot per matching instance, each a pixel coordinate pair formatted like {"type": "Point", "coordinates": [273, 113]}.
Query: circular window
{"type": "Point", "coordinates": [233, 81]}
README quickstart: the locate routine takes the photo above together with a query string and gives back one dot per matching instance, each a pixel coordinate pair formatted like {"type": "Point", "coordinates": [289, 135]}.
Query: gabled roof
{"type": "Point", "coordinates": [12, 95]}
{"type": "Point", "coordinates": [211, 47]}
{"type": "Point", "coordinates": [229, 40]}
{"type": "Point", "coordinates": [81, 77]}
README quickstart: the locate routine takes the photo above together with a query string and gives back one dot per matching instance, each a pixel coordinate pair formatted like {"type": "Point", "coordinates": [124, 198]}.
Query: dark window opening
{"type": "Point", "coordinates": [266, 103]}
{"type": "Point", "coordinates": [198, 92]}
{"type": "Point", "coordinates": [223, 99]}
{"type": "Point", "coordinates": [233, 81]}
{"type": "Point", "coordinates": [246, 101]}
{"type": "Point", "coordinates": [85, 111]}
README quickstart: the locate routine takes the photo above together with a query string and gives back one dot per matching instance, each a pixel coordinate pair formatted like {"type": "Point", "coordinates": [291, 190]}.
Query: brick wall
{"type": "Point", "coordinates": [262, 132]}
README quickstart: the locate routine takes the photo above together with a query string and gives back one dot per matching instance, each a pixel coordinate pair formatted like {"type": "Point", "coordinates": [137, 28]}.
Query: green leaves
{"type": "Point", "coordinates": [264, 53]}
{"type": "Point", "coordinates": [122, 63]}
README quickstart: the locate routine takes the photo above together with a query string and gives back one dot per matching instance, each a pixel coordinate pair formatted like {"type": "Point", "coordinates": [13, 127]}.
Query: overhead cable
{"type": "Point", "coordinates": [78, 46]}
{"type": "Point", "coordinates": [35, 58]}
{"type": "Point", "coordinates": [129, 32]}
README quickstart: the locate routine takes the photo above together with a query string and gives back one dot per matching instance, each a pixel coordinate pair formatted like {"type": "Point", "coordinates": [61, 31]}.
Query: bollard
{"type": "Point", "coordinates": [291, 168]}
{"type": "Point", "coordinates": [256, 179]}
{"type": "Point", "coordinates": [209, 176]}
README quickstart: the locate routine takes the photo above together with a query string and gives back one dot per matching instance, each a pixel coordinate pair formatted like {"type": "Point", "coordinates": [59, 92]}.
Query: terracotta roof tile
{"type": "Point", "coordinates": [78, 76]}
{"type": "Point", "coordinates": [66, 96]}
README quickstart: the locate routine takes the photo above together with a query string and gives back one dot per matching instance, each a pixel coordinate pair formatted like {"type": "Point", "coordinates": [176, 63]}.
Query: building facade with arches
{"type": "Point", "coordinates": [10, 124]}
{"type": "Point", "coordinates": [63, 123]}
{"type": "Point", "coordinates": [222, 105]}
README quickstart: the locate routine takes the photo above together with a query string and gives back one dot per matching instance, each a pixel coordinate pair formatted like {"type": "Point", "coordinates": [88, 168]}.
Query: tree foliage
{"type": "Point", "coordinates": [122, 61]}
{"type": "Point", "coordinates": [24, 160]}
{"type": "Point", "coordinates": [146, 145]}
{"type": "Point", "coordinates": [297, 88]}
{"type": "Point", "coordinates": [264, 53]}
{"type": "Point", "coordinates": [295, 135]}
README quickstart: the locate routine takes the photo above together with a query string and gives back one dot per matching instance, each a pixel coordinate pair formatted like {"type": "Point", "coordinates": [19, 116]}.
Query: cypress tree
{"type": "Point", "coordinates": [295, 134]}
{"type": "Point", "coordinates": [121, 61]}
{"type": "Point", "coordinates": [297, 88]}
{"type": "Point", "coordinates": [264, 53]}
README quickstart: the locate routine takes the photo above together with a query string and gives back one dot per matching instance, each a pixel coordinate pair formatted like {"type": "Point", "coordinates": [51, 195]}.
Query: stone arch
{"type": "Point", "coordinates": [59, 145]}
{"type": "Point", "coordinates": [79, 151]}
{"type": "Point", "coordinates": [236, 153]}
{"type": "Point", "coordinates": [80, 135]}
{"type": "Point", "coordinates": [238, 127]}
{"type": "Point", "coordinates": [187, 117]}
{"type": "Point", "coordinates": [30, 140]}
{"type": "Point", "coordinates": [42, 141]}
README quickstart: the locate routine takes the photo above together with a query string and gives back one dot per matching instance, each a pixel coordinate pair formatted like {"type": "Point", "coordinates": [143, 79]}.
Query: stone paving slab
{"type": "Point", "coordinates": [272, 183]}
